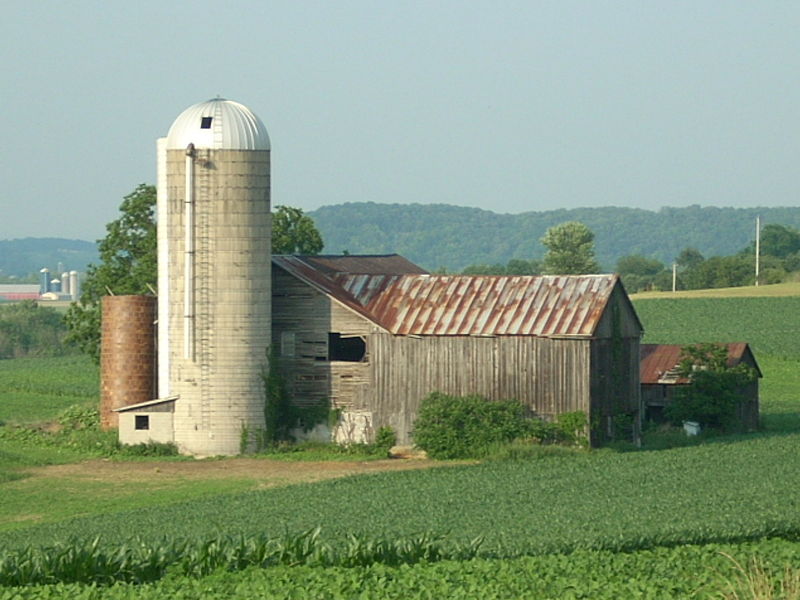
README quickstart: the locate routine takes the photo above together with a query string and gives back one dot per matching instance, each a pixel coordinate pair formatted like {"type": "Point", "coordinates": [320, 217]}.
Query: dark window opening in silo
{"type": "Point", "coordinates": [142, 422]}
{"type": "Point", "coordinates": [205, 122]}
{"type": "Point", "coordinates": [349, 349]}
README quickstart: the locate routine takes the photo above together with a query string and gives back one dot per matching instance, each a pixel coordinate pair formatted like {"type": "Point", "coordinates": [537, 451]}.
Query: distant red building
{"type": "Point", "coordinates": [15, 292]}
{"type": "Point", "coordinates": [658, 373]}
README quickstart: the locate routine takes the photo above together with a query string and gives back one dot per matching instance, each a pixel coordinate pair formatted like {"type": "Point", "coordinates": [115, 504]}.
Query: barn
{"type": "Point", "coordinates": [14, 292]}
{"type": "Point", "coordinates": [374, 335]}
{"type": "Point", "coordinates": [660, 380]}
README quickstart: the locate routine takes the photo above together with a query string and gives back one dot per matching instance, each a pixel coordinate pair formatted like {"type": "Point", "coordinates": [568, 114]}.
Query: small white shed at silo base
{"type": "Point", "coordinates": [150, 421]}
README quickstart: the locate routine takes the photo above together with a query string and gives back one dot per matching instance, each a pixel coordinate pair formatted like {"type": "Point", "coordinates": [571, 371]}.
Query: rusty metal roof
{"type": "Point", "coordinates": [659, 362]}
{"type": "Point", "coordinates": [422, 304]}
{"type": "Point", "coordinates": [543, 306]}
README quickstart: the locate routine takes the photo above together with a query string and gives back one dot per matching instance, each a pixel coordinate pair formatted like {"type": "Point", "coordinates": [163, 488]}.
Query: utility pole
{"type": "Point", "coordinates": [674, 277]}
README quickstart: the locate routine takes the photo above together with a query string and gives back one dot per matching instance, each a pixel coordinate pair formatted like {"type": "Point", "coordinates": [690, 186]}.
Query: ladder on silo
{"type": "Point", "coordinates": [204, 273]}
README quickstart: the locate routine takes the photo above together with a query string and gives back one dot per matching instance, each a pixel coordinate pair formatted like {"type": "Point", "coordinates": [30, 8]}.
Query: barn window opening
{"type": "Point", "coordinates": [142, 422]}
{"type": "Point", "coordinates": [287, 343]}
{"type": "Point", "coordinates": [205, 122]}
{"type": "Point", "coordinates": [349, 349]}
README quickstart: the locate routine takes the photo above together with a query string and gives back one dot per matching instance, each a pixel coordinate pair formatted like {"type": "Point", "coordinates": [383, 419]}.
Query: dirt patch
{"type": "Point", "coordinates": [263, 472]}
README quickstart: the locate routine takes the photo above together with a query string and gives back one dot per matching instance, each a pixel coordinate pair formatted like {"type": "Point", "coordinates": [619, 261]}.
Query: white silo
{"type": "Point", "coordinates": [74, 285]}
{"type": "Point", "coordinates": [65, 283]}
{"type": "Point", "coordinates": [214, 274]}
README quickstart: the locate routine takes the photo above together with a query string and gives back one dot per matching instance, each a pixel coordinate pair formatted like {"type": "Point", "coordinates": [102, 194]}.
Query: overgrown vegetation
{"type": "Point", "coordinates": [715, 389]}
{"type": "Point", "coordinates": [471, 426]}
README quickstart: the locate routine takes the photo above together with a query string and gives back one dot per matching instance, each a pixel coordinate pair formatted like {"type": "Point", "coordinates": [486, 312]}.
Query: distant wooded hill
{"type": "Point", "coordinates": [453, 237]}
{"type": "Point", "coordinates": [26, 256]}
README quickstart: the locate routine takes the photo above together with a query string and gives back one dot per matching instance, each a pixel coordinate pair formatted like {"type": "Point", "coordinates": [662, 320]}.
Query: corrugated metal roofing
{"type": "Point", "coordinates": [218, 124]}
{"type": "Point", "coordinates": [543, 306]}
{"type": "Point", "coordinates": [659, 362]}
{"type": "Point", "coordinates": [422, 304]}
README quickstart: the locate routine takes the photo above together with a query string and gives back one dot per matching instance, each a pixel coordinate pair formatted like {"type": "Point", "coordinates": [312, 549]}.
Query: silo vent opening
{"type": "Point", "coordinates": [205, 122]}
{"type": "Point", "coordinates": [142, 422]}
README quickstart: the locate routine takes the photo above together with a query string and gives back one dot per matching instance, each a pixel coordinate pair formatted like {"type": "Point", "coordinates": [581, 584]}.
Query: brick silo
{"type": "Point", "coordinates": [214, 255]}
{"type": "Point", "coordinates": [127, 354]}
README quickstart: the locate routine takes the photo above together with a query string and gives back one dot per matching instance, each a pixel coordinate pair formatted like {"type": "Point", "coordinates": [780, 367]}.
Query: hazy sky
{"type": "Point", "coordinates": [506, 106]}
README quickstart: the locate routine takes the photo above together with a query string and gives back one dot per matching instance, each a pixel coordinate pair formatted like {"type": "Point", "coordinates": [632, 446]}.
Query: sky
{"type": "Point", "coordinates": [504, 106]}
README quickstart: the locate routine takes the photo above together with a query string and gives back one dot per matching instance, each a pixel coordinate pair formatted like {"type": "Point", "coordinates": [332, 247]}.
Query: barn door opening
{"type": "Point", "coordinates": [346, 348]}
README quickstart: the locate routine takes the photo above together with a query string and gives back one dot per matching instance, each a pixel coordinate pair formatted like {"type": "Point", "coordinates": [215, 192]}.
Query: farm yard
{"type": "Point", "coordinates": [675, 522]}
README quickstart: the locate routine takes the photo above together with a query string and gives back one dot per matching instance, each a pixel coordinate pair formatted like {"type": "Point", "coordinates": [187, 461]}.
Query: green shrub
{"type": "Point", "coordinates": [385, 438]}
{"type": "Point", "coordinates": [149, 449]}
{"type": "Point", "coordinates": [571, 428]}
{"type": "Point", "coordinates": [462, 427]}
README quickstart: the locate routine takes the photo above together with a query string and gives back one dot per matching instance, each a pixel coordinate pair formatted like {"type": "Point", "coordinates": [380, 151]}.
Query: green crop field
{"type": "Point", "coordinates": [599, 500]}
{"type": "Point", "coordinates": [605, 524]}
{"type": "Point", "coordinates": [676, 572]}
{"type": "Point", "coordinates": [770, 325]}
{"type": "Point", "coordinates": [38, 389]}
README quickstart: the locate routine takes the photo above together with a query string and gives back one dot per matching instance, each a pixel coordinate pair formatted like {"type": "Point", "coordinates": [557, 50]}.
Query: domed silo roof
{"type": "Point", "coordinates": [218, 124]}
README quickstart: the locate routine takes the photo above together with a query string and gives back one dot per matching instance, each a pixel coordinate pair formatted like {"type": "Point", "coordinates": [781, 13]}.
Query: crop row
{"type": "Point", "coordinates": [601, 500]}
{"type": "Point", "coordinates": [707, 571]}
{"type": "Point", "coordinates": [138, 562]}
{"type": "Point", "coordinates": [770, 325]}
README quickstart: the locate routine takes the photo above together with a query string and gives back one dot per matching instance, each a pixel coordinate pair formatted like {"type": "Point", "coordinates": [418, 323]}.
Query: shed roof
{"type": "Point", "coordinates": [146, 404]}
{"type": "Point", "coordinates": [659, 362]}
{"type": "Point", "coordinates": [421, 304]}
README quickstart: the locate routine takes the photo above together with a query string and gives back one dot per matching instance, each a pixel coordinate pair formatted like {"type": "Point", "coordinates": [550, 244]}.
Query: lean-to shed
{"type": "Point", "coordinates": [374, 335]}
{"type": "Point", "coordinates": [660, 380]}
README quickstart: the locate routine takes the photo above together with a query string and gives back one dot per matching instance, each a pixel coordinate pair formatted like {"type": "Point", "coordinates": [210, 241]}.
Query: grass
{"type": "Point", "coordinates": [35, 500]}
{"type": "Point", "coordinates": [774, 290]}
{"type": "Point", "coordinates": [320, 451]}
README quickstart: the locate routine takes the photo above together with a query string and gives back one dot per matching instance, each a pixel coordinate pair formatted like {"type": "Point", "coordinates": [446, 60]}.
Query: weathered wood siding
{"type": "Point", "coordinates": [616, 393]}
{"type": "Point", "coordinates": [309, 316]}
{"type": "Point", "coordinates": [549, 376]}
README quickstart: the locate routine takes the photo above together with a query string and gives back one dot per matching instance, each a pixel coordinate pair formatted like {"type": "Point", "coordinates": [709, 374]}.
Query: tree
{"type": "Point", "coordinates": [636, 264]}
{"type": "Point", "coordinates": [294, 232]}
{"type": "Point", "coordinates": [715, 388]}
{"type": "Point", "coordinates": [29, 329]}
{"type": "Point", "coordinates": [129, 261]}
{"type": "Point", "coordinates": [128, 266]}
{"type": "Point", "coordinates": [519, 266]}
{"type": "Point", "coordinates": [570, 250]}
{"type": "Point", "coordinates": [689, 258]}
{"type": "Point", "coordinates": [776, 240]}
{"type": "Point", "coordinates": [638, 272]}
